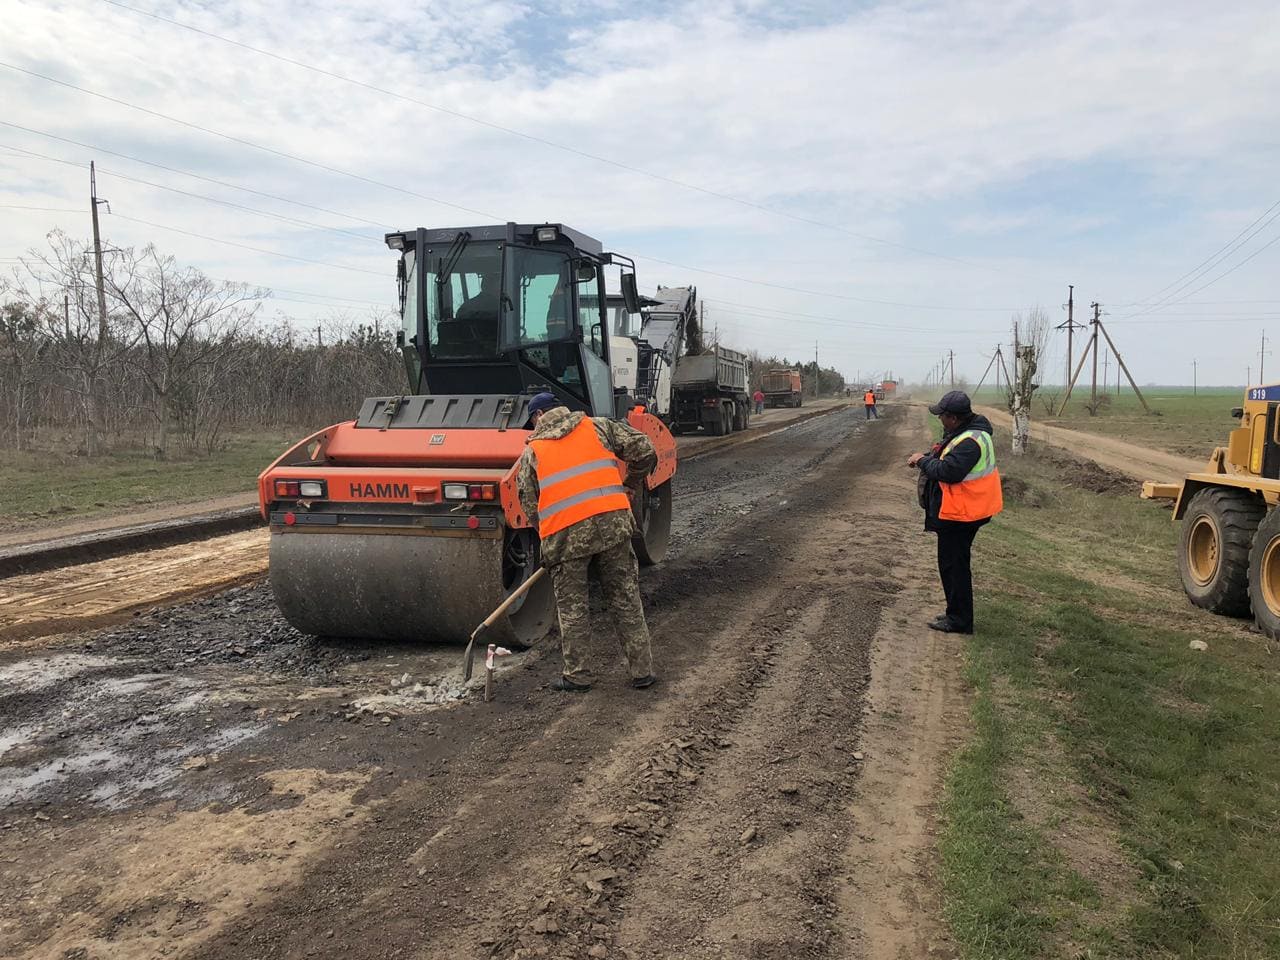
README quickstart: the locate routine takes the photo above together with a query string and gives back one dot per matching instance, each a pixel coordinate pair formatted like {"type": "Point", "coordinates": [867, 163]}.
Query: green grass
{"type": "Point", "coordinates": [1086, 693]}
{"type": "Point", "coordinates": [47, 486]}
{"type": "Point", "coordinates": [1182, 423]}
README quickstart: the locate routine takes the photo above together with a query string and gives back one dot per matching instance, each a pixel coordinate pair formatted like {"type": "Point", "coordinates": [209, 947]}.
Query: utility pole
{"type": "Point", "coordinates": [1262, 358]}
{"type": "Point", "coordinates": [1106, 365]}
{"type": "Point", "coordinates": [1094, 393]}
{"type": "Point", "coordinates": [97, 255]}
{"type": "Point", "coordinates": [1194, 384]}
{"type": "Point", "coordinates": [319, 340]}
{"type": "Point", "coordinates": [1070, 326]}
{"type": "Point", "coordinates": [951, 363]}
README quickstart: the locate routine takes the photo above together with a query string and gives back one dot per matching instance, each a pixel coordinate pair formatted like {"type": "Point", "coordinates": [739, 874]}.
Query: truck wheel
{"type": "Point", "coordinates": [1213, 553]}
{"type": "Point", "coordinates": [1264, 575]}
{"type": "Point", "coordinates": [726, 411]}
{"type": "Point", "coordinates": [715, 424]}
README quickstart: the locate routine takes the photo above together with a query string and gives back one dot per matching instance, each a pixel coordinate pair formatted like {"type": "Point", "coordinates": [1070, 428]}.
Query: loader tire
{"type": "Point", "coordinates": [1213, 552]}
{"type": "Point", "coordinates": [1264, 575]}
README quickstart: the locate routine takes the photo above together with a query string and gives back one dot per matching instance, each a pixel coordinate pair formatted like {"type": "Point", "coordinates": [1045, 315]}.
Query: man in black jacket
{"type": "Point", "coordinates": [958, 479]}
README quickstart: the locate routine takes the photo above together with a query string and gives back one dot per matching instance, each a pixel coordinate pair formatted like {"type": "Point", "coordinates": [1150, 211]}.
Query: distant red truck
{"type": "Point", "coordinates": [782, 388]}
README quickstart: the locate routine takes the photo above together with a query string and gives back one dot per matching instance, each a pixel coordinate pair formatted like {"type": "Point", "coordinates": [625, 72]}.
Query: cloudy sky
{"type": "Point", "coordinates": [888, 181]}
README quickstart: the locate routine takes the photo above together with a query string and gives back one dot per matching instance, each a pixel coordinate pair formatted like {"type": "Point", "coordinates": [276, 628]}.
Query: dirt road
{"type": "Point", "coordinates": [209, 783]}
{"type": "Point", "coordinates": [1140, 463]}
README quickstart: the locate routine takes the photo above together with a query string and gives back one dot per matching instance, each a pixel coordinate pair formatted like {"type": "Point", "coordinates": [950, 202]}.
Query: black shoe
{"type": "Point", "coordinates": [939, 618]}
{"type": "Point", "coordinates": [944, 625]}
{"type": "Point", "coordinates": [646, 681]}
{"type": "Point", "coordinates": [565, 685]}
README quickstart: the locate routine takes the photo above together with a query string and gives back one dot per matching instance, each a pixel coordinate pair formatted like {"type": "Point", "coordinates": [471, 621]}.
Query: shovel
{"type": "Point", "coordinates": [516, 594]}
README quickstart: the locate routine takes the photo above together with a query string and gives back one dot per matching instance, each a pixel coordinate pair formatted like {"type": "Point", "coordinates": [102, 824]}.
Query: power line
{"type": "Point", "coordinates": [199, 196]}
{"type": "Point", "coordinates": [242, 141]}
{"type": "Point", "coordinates": [544, 141]}
{"type": "Point", "coordinates": [381, 225]}
{"type": "Point", "coordinates": [245, 246]}
{"type": "Point", "coordinates": [1205, 262]}
{"type": "Point", "coordinates": [1198, 272]}
{"type": "Point", "coordinates": [412, 193]}
{"type": "Point", "coordinates": [813, 293]}
{"type": "Point", "coordinates": [731, 308]}
{"type": "Point", "coordinates": [23, 206]}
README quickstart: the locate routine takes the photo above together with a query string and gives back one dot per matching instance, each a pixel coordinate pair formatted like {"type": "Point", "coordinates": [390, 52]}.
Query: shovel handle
{"type": "Point", "coordinates": [516, 594]}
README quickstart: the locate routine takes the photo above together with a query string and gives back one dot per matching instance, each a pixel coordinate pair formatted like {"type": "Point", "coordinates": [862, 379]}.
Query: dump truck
{"type": "Point", "coordinates": [1229, 548]}
{"type": "Point", "coordinates": [404, 523]}
{"type": "Point", "coordinates": [711, 392]}
{"type": "Point", "coordinates": [782, 388]}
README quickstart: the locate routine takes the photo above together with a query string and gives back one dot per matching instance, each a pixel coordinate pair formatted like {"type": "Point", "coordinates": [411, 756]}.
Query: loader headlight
{"type": "Point", "coordinates": [311, 489]}
{"type": "Point", "coordinates": [546, 234]}
{"type": "Point", "coordinates": [455, 491]}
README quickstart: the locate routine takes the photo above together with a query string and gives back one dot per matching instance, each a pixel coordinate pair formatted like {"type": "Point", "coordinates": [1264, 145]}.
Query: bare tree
{"type": "Point", "coordinates": [1031, 340]}
{"type": "Point", "coordinates": [60, 283]}
{"type": "Point", "coordinates": [22, 351]}
{"type": "Point", "coordinates": [186, 323]}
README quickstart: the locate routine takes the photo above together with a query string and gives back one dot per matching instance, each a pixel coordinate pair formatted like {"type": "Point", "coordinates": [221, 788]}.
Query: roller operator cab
{"type": "Point", "coordinates": [405, 522]}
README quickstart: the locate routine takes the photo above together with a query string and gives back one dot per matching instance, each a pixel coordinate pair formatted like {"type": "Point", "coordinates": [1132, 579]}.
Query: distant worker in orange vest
{"type": "Point", "coordinates": [571, 490]}
{"type": "Point", "coordinates": [960, 492]}
{"type": "Point", "coordinates": [869, 398]}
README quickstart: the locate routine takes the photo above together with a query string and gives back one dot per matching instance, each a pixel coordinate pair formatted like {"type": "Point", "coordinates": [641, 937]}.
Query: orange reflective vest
{"type": "Point", "coordinates": [578, 477]}
{"type": "Point", "coordinates": [869, 399]}
{"type": "Point", "coordinates": [978, 495]}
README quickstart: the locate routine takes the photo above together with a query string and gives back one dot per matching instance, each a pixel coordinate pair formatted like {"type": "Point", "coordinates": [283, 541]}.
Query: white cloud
{"type": "Point", "coordinates": [983, 130]}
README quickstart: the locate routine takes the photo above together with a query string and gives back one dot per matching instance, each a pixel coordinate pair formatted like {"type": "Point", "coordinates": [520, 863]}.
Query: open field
{"type": "Point", "coordinates": [1121, 793]}
{"type": "Point", "coordinates": [1181, 423]}
{"type": "Point", "coordinates": [42, 488]}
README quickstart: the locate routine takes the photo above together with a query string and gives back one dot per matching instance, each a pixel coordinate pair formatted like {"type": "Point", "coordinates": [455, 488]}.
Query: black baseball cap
{"type": "Point", "coordinates": [954, 401]}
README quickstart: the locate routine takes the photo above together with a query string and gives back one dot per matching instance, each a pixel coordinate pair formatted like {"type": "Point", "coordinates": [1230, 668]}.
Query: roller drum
{"type": "Point", "coordinates": [402, 587]}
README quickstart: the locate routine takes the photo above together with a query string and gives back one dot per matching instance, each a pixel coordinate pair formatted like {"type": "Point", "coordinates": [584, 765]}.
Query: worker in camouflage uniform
{"type": "Point", "coordinates": [571, 490]}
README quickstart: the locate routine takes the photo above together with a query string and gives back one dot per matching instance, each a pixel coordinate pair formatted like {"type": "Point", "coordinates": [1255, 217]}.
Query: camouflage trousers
{"type": "Point", "coordinates": [619, 575]}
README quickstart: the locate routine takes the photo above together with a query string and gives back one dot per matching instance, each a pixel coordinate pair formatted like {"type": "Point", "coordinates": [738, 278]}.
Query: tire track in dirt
{"type": "Point", "coordinates": [465, 838]}
{"type": "Point", "coordinates": [494, 810]}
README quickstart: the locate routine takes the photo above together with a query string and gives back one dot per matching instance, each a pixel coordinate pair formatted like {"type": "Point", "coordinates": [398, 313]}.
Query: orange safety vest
{"type": "Point", "coordinates": [869, 399]}
{"type": "Point", "coordinates": [978, 495]}
{"type": "Point", "coordinates": [577, 478]}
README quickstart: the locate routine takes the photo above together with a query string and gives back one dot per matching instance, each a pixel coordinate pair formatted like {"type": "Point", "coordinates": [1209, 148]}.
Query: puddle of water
{"type": "Point", "coordinates": [30, 675]}
{"type": "Point", "coordinates": [50, 772]}
{"type": "Point", "coordinates": [16, 737]}
{"type": "Point", "coordinates": [168, 766]}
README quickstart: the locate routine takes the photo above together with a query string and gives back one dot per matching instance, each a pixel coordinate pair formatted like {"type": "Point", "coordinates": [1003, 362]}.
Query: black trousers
{"type": "Point", "coordinates": [955, 542]}
{"type": "Point", "coordinates": [871, 411]}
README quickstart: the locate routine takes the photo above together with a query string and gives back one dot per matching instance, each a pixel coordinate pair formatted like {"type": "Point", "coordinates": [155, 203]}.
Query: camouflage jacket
{"type": "Point", "coordinates": [603, 530]}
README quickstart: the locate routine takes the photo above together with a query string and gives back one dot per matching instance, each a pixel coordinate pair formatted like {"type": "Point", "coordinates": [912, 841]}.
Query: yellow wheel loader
{"type": "Point", "coordinates": [1229, 552]}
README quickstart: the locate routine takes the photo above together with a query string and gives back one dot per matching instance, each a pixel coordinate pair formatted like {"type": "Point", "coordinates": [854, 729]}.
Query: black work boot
{"type": "Point", "coordinates": [648, 680]}
{"type": "Point", "coordinates": [565, 685]}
